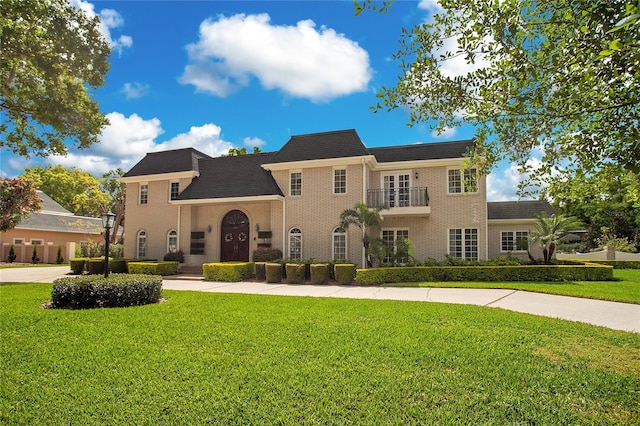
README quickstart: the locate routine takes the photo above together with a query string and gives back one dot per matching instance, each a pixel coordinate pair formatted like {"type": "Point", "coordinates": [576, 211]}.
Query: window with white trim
{"type": "Point", "coordinates": [174, 190]}
{"type": "Point", "coordinates": [172, 241]}
{"type": "Point", "coordinates": [340, 181]}
{"type": "Point", "coordinates": [37, 242]}
{"type": "Point", "coordinates": [18, 241]}
{"type": "Point", "coordinates": [141, 244]}
{"type": "Point", "coordinates": [144, 193]}
{"type": "Point", "coordinates": [389, 238]}
{"type": "Point", "coordinates": [396, 190]}
{"type": "Point", "coordinates": [514, 241]}
{"type": "Point", "coordinates": [462, 181]}
{"type": "Point", "coordinates": [339, 244]}
{"type": "Point", "coordinates": [295, 244]}
{"type": "Point", "coordinates": [463, 243]}
{"type": "Point", "coordinates": [295, 184]}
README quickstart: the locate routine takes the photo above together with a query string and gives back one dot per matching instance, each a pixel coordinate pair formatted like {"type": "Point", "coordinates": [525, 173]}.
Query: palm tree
{"type": "Point", "coordinates": [550, 229]}
{"type": "Point", "coordinates": [364, 218]}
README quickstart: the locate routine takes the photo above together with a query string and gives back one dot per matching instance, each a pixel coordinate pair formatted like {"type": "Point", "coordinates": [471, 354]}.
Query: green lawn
{"type": "Point", "coordinates": [205, 358]}
{"type": "Point", "coordinates": [625, 289]}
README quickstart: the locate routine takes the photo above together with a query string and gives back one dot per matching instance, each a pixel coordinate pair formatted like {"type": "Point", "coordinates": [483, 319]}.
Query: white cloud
{"type": "Point", "coordinates": [302, 61]}
{"type": "Point", "coordinates": [251, 142]}
{"type": "Point", "coordinates": [109, 20]}
{"type": "Point", "coordinates": [126, 140]}
{"type": "Point", "coordinates": [135, 90]}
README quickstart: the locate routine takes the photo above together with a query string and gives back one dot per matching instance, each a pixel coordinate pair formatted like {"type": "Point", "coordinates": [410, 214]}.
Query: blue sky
{"type": "Point", "coordinates": [219, 74]}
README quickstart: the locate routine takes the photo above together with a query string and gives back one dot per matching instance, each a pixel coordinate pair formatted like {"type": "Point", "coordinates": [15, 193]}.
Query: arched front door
{"type": "Point", "coordinates": [234, 237]}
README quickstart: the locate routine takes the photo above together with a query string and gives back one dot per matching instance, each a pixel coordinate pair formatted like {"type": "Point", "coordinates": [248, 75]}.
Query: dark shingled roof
{"type": "Point", "coordinates": [517, 209]}
{"type": "Point", "coordinates": [423, 151]}
{"type": "Point", "coordinates": [319, 146]}
{"type": "Point", "coordinates": [50, 205]}
{"type": "Point", "coordinates": [177, 160]}
{"type": "Point", "coordinates": [228, 177]}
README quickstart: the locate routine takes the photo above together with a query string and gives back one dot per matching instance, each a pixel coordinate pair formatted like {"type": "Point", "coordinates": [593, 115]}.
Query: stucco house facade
{"type": "Point", "coordinates": [222, 209]}
{"type": "Point", "coordinates": [51, 227]}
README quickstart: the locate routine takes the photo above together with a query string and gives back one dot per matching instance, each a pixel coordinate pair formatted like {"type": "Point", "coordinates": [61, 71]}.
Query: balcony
{"type": "Point", "coordinates": [400, 201]}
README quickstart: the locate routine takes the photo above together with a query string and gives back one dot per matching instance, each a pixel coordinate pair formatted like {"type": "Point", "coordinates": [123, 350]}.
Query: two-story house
{"type": "Point", "coordinates": [221, 209]}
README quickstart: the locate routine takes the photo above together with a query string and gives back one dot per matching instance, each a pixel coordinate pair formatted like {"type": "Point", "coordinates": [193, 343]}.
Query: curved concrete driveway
{"type": "Point", "coordinates": [618, 316]}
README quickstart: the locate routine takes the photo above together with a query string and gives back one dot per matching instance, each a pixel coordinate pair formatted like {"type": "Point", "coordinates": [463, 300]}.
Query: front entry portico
{"type": "Point", "coordinates": [234, 237]}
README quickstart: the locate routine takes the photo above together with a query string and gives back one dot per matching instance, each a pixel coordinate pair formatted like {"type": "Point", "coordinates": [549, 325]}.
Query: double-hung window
{"type": "Point", "coordinates": [144, 193]}
{"type": "Point", "coordinates": [462, 181]}
{"type": "Point", "coordinates": [514, 241]}
{"type": "Point", "coordinates": [463, 243]}
{"type": "Point", "coordinates": [390, 237]}
{"type": "Point", "coordinates": [295, 184]}
{"type": "Point", "coordinates": [174, 190]}
{"type": "Point", "coordinates": [339, 181]}
{"type": "Point", "coordinates": [339, 239]}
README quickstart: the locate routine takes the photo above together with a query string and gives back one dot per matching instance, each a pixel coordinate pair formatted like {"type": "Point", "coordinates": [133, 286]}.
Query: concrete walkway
{"type": "Point", "coordinates": [618, 316]}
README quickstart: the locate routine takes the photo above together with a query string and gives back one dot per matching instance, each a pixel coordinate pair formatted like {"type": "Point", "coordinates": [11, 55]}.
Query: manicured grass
{"type": "Point", "coordinates": [205, 358]}
{"type": "Point", "coordinates": [626, 289]}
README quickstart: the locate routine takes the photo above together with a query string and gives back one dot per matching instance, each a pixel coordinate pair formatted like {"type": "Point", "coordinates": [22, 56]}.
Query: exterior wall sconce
{"type": "Point", "coordinates": [417, 175]}
{"type": "Point", "coordinates": [257, 227]}
{"type": "Point", "coordinates": [209, 229]}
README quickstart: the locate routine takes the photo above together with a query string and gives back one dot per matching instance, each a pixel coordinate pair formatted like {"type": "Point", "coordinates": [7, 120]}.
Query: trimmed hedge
{"type": "Point", "coordinates": [319, 273]}
{"type": "Point", "coordinates": [344, 272]}
{"type": "Point", "coordinates": [227, 271]}
{"type": "Point", "coordinates": [95, 266]}
{"type": "Point", "coordinates": [153, 268]}
{"type": "Point", "coordinates": [118, 266]}
{"type": "Point", "coordinates": [78, 265]}
{"type": "Point", "coordinates": [585, 272]}
{"type": "Point", "coordinates": [273, 272]}
{"type": "Point", "coordinates": [295, 273]}
{"type": "Point", "coordinates": [260, 271]}
{"type": "Point", "coordinates": [620, 264]}
{"type": "Point", "coordinates": [266, 254]}
{"type": "Point", "coordinates": [119, 290]}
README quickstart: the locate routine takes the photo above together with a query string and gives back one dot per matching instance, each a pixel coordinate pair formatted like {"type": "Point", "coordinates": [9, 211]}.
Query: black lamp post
{"type": "Point", "coordinates": [107, 222]}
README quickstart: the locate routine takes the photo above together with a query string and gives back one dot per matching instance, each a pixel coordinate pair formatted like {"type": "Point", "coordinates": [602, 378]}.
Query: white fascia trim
{"type": "Point", "coordinates": [228, 200]}
{"type": "Point", "coordinates": [511, 221]}
{"type": "Point", "coordinates": [160, 176]}
{"type": "Point", "coordinates": [416, 164]}
{"type": "Point", "coordinates": [343, 161]}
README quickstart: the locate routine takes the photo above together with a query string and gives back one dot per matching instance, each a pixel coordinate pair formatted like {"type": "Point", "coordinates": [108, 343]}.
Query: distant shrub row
{"type": "Point", "coordinates": [119, 290]}
{"type": "Point", "coordinates": [273, 272]}
{"type": "Point", "coordinates": [584, 272]}
{"type": "Point", "coordinates": [122, 266]}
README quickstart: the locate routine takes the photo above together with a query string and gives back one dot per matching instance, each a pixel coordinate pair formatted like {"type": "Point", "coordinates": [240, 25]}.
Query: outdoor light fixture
{"type": "Point", "coordinates": [417, 175]}
{"type": "Point", "coordinates": [108, 220]}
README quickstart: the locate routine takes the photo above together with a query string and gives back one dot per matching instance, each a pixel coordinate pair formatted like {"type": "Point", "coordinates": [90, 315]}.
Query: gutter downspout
{"type": "Point", "coordinates": [363, 260]}
{"type": "Point", "coordinates": [178, 227]}
{"type": "Point", "coordinates": [284, 229]}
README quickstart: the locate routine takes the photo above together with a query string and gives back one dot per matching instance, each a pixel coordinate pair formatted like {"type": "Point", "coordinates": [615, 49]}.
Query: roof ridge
{"type": "Point", "coordinates": [421, 144]}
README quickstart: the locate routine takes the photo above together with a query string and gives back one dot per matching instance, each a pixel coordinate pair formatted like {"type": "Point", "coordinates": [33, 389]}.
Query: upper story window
{"type": "Point", "coordinates": [174, 190]}
{"type": "Point", "coordinates": [340, 181]}
{"type": "Point", "coordinates": [463, 181]}
{"type": "Point", "coordinates": [514, 241]}
{"type": "Point", "coordinates": [36, 242]}
{"type": "Point", "coordinates": [295, 184]}
{"type": "Point", "coordinates": [18, 241]}
{"type": "Point", "coordinates": [144, 193]}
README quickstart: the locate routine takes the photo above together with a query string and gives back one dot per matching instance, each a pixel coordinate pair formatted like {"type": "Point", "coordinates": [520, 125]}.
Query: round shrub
{"type": "Point", "coordinates": [319, 273]}
{"type": "Point", "coordinates": [295, 273]}
{"type": "Point", "coordinates": [273, 272]}
{"type": "Point", "coordinates": [118, 290]}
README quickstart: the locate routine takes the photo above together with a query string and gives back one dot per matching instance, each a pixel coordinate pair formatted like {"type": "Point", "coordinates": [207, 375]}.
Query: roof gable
{"type": "Point", "coordinates": [518, 209]}
{"type": "Point", "coordinates": [230, 177]}
{"type": "Point", "coordinates": [49, 205]}
{"type": "Point", "coordinates": [177, 160]}
{"type": "Point", "coordinates": [320, 146]}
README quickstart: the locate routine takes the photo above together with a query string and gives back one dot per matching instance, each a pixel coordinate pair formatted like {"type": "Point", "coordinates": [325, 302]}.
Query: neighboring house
{"type": "Point", "coordinates": [220, 209]}
{"type": "Point", "coordinates": [49, 228]}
